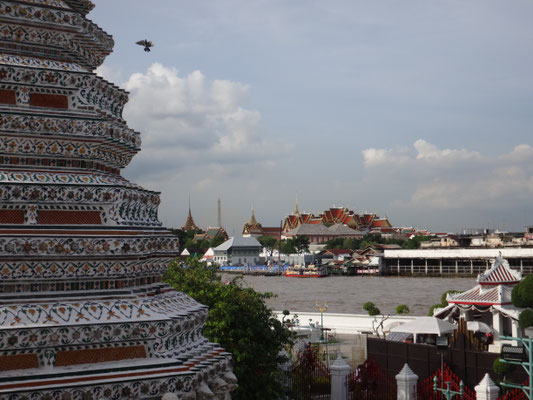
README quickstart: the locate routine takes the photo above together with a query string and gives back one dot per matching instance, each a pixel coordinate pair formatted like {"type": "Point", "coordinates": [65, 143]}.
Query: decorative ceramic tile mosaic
{"type": "Point", "coordinates": [83, 310]}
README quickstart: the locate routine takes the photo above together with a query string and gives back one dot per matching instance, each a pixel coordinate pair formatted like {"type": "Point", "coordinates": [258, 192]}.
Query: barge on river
{"type": "Point", "coordinates": [261, 270]}
{"type": "Point", "coordinates": [306, 272]}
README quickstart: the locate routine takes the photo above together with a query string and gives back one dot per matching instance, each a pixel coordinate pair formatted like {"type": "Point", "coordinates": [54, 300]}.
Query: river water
{"type": "Point", "coordinates": [346, 294]}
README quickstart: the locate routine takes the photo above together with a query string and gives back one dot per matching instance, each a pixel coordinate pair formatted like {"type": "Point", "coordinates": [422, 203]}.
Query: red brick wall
{"type": "Point", "coordinates": [18, 361]}
{"type": "Point", "coordinates": [60, 217]}
{"type": "Point", "coordinates": [49, 100]}
{"type": "Point", "coordinates": [8, 97]}
{"type": "Point", "coordinates": [92, 356]}
{"type": "Point", "coordinates": [11, 217]}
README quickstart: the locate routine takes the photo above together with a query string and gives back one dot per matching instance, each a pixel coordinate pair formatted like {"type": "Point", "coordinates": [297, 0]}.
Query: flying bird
{"type": "Point", "coordinates": [146, 43]}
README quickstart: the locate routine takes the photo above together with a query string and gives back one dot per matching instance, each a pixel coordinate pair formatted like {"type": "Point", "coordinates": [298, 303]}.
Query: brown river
{"type": "Point", "coordinates": [346, 294]}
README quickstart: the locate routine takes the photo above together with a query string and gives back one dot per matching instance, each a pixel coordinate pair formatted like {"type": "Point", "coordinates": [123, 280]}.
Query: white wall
{"type": "Point", "coordinates": [343, 323]}
{"type": "Point", "coordinates": [460, 253]}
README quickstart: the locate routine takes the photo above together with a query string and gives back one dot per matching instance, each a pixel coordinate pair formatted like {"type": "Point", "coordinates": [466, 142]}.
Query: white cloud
{"type": "Point", "coordinates": [199, 138]}
{"type": "Point", "coordinates": [433, 178]}
{"type": "Point", "coordinates": [521, 153]}
{"type": "Point", "coordinates": [430, 152]}
{"type": "Point", "coordinates": [189, 122]}
{"type": "Point", "coordinates": [114, 75]}
{"type": "Point", "coordinates": [423, 152]}
{"type": "Point", "coordinates": [374, 157]}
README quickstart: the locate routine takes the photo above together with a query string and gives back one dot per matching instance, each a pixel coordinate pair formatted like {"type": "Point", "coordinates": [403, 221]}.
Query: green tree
{"type": "Point", "coordinates": [185, 237]}
{"type": "Point", "coordinates": [334, 243]}
{"type": "Point", "coordinates": [285, 314]}
{"type": "Point", "coordinates": [350, 243]}
{"type": "Point", "coordinates": [414, 242]}
{"type": "Point", "coordinates": [525, 319]}
{"type": "Point", "coordinates": [432, 309]}
{"type": "Point", "coordinates": [268, 242]}
{"type": "Point", "coordinates": [522, 296]}
{"type": "Point", "coordinates": [443, 301]}
{"type": "Point", "coordinates": [402, 309]}
{"type": "Point", "coordinates": [189, 244]}
{"type": "Point", "coordinates": [195, 247]}
{"type": "Point", "coordinates": [370, 240]}
{"type": "Point", "coordinates": [240, 321]}
{"type": "Point", "coordinates": [502, 368]}
{"type": "Point", "coordinates": [216, 241]}
{"type": "Point", "coordinates": [362, 243]}
{"type": "Point", "coordinates": [301, 243]}
{"type": "Point", "coordinates": [371, 308]}
{"type": "Point", "coordinates": [444, 296]}
{"type": "Point", "coordinates": [287, 247]}
{"type": "Point", "coordinates": [374, 311]}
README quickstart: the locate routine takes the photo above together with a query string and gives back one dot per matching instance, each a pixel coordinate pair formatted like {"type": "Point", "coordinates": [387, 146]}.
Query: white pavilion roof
{"type": "Point", "coordinates": [493, 295]}
{"type": "Point", "coordinates": [500, 273]}
{"type": "Point", "coordinates": [494, 286]}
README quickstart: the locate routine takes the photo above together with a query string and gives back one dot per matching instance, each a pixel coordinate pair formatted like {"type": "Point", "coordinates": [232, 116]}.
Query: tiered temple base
{"type": "Point", "coordinates": [83, 312]}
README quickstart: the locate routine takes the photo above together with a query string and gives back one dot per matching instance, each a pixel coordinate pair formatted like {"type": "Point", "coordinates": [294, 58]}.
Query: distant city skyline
{"type": "Point", "coordinates": [419, 111]}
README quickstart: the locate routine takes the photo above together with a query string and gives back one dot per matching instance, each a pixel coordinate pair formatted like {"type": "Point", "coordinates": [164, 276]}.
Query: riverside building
{"type": "Point", "coordinates": [83, 311]}
{"type": "Point", "coordinates": [454, 261]}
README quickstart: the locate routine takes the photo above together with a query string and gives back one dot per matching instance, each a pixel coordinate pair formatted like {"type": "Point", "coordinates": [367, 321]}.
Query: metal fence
{"type": "Point", "coordinates": [370, 382]}
{"type": "Point", "coordinates": [310, 378]}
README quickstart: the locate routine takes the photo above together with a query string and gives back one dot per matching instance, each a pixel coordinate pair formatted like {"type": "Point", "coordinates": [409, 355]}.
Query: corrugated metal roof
{"type": "Point", "coordinates": [238, 242]}
{"type": "Point", "coordinates": [309, 229]}
{"type": "Point", "coordinates": [340, 229]}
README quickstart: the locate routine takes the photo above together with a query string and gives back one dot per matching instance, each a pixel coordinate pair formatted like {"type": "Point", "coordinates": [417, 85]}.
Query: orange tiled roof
{"type": "Point", "coordinates": [383, 222]}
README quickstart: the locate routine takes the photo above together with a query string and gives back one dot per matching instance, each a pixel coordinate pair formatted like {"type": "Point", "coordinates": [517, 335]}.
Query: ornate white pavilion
{"type": "Point", "coordinates": [488, 302]}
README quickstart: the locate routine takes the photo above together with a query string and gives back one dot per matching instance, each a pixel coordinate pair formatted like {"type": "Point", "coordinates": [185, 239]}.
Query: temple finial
{"type": "Point", "coordinates": [189, 223]}
{"type": "Point", "coordinates": [253, 221]}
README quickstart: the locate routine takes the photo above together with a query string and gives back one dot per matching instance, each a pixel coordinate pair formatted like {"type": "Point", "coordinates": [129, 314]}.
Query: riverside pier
{"type": "Point", "coordinates": [453, 262]}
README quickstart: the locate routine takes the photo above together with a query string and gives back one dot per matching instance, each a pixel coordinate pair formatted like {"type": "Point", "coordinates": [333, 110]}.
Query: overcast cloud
{"type": "Point", "coordinates": [417, 110]}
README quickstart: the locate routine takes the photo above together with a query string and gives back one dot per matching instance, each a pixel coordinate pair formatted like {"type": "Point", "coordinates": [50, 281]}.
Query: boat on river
{"type": "Point", "coordinates": [311, 271]}
{"type": "Point", "coordinates": [264, 270]}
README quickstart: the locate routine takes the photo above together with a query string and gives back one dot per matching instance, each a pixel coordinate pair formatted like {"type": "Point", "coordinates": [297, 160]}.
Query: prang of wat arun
{"type": "Point", "coordinates": [83, 311]}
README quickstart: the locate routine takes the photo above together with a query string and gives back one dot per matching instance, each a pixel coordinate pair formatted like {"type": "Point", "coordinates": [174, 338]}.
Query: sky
{"type": "Point", "coordinates": [420, 111]}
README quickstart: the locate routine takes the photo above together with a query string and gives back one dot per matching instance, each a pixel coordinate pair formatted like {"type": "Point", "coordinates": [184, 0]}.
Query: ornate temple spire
{"type": "Point", "coordinates": [253, 221]}
{"type": "Point", "coordinates": [296, 211]}
{"type": "Point", "coordinates": [189, 224]}
{"type": "Point", "coordinates": [252, 227]}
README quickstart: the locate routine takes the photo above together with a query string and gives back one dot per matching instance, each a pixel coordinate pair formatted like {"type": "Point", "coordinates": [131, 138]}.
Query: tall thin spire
{"type": "Point", "coordinates": [296, 211]}
{"type": "Point", "coordinates": [219, 213]}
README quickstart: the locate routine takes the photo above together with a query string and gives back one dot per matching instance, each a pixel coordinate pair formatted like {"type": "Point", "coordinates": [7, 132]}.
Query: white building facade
{"type": "Point", "coordinates": [238, 251]}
